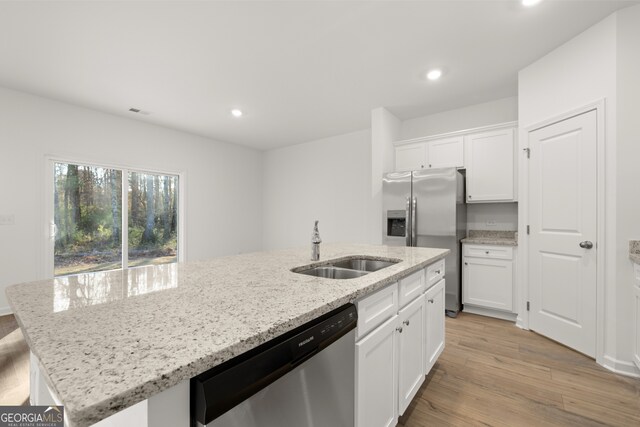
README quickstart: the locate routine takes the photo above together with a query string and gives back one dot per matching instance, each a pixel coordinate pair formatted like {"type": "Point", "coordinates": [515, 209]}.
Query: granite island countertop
{"type": "Point", "coordinates": [108, 340]}
{"type": "Point", "coordinates": [634, 251]}
{"type": "Point", "coordinates": [492, 237]}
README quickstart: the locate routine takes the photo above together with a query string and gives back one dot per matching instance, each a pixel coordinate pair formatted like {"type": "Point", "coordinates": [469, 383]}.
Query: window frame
{"type": "Point", "coordinates": [48, 211]}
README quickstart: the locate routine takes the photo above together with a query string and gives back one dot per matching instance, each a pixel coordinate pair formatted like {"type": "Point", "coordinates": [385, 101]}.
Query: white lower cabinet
{"type": "Point", "coordinates": [391, 347]}
{"type": "Point", "coordinates": [434, 325]}
{"type": "Point", "coordinates": [488, 283]}
{"type": "Point", "coordinates": [488, 278]}
{"type": "Point", "coordinates": [636, 309]}
{"type": "Point", "coordinates": [376, 385]}
{"type": "Point", "coordinates": [411, 352]}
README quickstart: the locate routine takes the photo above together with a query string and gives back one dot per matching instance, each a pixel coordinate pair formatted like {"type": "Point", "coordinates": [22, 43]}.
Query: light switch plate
{"type": "Point", "coordinates": [7, 219]}
{"type": "Point", "coordinates": [491, 223]}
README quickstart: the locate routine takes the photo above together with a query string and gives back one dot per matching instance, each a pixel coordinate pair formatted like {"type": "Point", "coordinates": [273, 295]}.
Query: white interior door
{"type": "Point", "coordinates": [562, 214]}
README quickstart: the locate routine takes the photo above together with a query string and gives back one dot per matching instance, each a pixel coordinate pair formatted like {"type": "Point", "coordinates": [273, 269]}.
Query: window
{"type": "Point", "coordinates": [98, 226]}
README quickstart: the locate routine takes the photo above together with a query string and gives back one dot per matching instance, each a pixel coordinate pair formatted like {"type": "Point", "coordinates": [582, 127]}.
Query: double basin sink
{"type": "Point", "coordinates": [346, 268]}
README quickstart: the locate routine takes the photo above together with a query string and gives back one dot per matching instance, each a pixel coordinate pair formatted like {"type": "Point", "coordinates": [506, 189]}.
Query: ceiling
{"type": "Point", "coordinates": [300, 70]}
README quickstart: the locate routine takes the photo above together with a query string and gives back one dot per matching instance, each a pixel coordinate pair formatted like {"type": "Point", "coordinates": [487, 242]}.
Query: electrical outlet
{"type": "Point", "coordinates": [7, 219]}
{"type": "Point", "coordinates": [491, 223]}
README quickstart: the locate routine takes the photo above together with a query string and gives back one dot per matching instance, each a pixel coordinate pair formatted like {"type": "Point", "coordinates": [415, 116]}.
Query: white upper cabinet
{"type": "Point", "coordinates": [423, 154]}
{"type": "Point", "coordinates": [487, 153]}
{"type": "Point", "coordinates": [491, 166]}
{"type": "Point", "coordinates": [411, 157]}
{"type": "Point", "coordinates": [446, 153]}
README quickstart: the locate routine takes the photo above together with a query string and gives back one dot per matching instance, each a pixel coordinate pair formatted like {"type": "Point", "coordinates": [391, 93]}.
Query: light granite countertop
{"type": "Point", "coordinates": [108, 340]}
{"type": "Point", "coordinates": [634, 250]}
{"type": "Point", "coordinates": [491, 237]}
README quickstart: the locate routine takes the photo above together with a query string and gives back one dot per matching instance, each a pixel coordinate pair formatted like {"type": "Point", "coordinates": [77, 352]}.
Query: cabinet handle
{"type": "Point", "coordinates": [399, 329]}
{"type": "Point", "coordinates": [437, 271]}
{"type": "Point", "coordinates": [431, 300]}
{"type": "Point", "coordinates": [422, 166]}
{"type": "Point", "coordinates": [486, 252]}
{"type": "Point", "coordinates": [429, 164]}
{"type": "Point", "coordinates": [469, 196]}
{"type": "Point", "coordinates": [406, 322]}
{"type": "Point", "coordinates": [466, 263]}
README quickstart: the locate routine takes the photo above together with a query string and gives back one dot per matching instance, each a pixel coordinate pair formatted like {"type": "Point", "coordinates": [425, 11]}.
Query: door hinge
{"type": "Point", "coordinates": [528, 230]}
{"type": "Point", "coordinates": [528, 306]}
{"type": "Point", "coordinates": [528, 151]}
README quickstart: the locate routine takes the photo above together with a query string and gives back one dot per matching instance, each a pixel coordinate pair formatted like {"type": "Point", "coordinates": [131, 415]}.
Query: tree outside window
{"type": "Point", "coordinates": [88, 212]}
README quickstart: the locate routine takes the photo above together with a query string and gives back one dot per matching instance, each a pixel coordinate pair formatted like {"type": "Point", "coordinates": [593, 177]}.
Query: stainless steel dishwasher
{"type": "Point", "coordinates": [302, 378]}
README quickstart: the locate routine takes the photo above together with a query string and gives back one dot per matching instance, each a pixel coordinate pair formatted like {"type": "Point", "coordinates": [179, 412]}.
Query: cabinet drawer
{"type": "Point", "coordinates": [488, 251]}
{"type": "Point", "coordinates": [435, 272]}
{"type": "Point", "coordinates": [411, 287]}
{"type": "Point", "coordinates": [376, 308]}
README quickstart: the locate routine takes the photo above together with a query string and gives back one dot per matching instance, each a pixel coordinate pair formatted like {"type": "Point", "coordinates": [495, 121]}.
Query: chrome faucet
{"type": "Point", "coordinates": [315, 243]}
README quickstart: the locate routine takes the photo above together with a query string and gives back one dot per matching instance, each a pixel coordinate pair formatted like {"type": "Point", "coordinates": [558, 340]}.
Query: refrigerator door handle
{"type": "Point", "coordinates": [414, 237]}
{"type": "Point", "coordinates": [408, 221]}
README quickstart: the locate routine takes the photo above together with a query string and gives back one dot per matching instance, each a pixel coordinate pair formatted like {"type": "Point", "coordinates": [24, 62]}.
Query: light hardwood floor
{"type": "Point", "coordinates": [14, 364]}
{"type": "Point", "coordinates": [491, 373]}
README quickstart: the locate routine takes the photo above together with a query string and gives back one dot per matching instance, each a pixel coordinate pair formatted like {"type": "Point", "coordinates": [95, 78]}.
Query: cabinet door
{"type": "Point", "coordinates": [376, 382]}
{"type": "Point", "coordinates": [490, 167]}
{"type": "Point", "coordinates": [636, 309]}
{"type": "Point", "coordinates": [445, 153]}
{"type": "Point", "coordinates": [411, 352]}
{"type": "Point", "coordinates": [488, 283]}
{"type": "Point", "coordinates": [411, 157]}
{"type": "Point", "coordinates": [434, 330]}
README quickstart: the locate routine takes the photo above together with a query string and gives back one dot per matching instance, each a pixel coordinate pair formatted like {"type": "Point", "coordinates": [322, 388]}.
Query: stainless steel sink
{"type": "Point", "coordinates": [363, 264]}
{"type": "Point", "coordinates": [330, 272]}
{"type": "Point", "coordinates": [345, 268]}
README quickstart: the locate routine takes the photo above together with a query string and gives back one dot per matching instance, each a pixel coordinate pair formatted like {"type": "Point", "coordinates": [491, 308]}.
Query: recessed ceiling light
{"type": "Point", "coordinates": [236, 112]}
{"type": "Point", "coordinates": [529, 3]}
{"type": "Point", "coordinates": [434, 74]}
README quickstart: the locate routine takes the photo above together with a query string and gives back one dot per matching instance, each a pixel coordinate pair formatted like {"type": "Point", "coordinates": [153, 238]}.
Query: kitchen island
{"type": "Point", "coordinates": [103, 342]}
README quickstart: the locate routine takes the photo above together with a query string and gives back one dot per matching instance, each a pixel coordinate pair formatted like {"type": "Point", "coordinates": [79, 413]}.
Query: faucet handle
{"type": "Point", "coordinates": [315, 237]}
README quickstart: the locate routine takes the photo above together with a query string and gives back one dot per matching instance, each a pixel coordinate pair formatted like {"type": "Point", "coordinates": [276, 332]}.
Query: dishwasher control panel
{"type": "Point", "coordinates": [323, 334]}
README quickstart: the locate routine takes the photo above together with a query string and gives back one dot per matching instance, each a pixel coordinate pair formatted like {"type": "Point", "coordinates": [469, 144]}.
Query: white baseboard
{"type": "Point", "coordinates": [621, 367]}
{"type": "Point", "coordinates": [520, 323]}
{"type": "Point", "coordinates": [504, 315]}
{"type": "Point", "coordinates": [5, 310]}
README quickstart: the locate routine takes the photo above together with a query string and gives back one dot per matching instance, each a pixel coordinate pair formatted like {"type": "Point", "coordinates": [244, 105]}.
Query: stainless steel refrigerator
{"type": "Point", "coordinates": [426, 208]}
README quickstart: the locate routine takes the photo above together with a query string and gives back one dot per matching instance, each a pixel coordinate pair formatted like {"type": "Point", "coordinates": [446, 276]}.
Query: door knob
{"type": "Point", "coordinates": [586, 244]}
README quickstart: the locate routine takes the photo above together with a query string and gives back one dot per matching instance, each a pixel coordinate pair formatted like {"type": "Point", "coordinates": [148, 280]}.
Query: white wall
{"type": "Point", "coordinates": [578, 73]}
{"type": "Point", "coordinates": [327, 180]}
{"type": "Point", "coordinates": [503, 215]}
{"type": "Point", "coordinates": [385, 128]}
{"type": "Point", "coordinates": [223, 180]}
{"type": "Point", "coordinates": [627, 170]}
{"type": "Point", "coordinates": [488, 113]}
